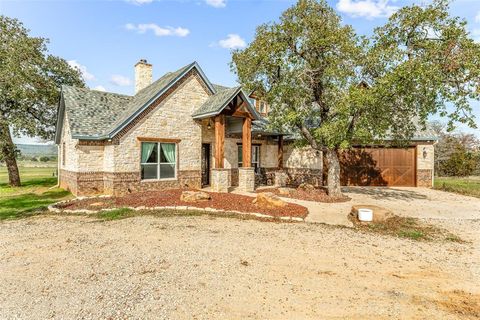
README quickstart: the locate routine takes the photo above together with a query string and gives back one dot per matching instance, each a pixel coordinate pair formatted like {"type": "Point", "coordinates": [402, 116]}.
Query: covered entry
{"type": "Point", "coordinates": [394, 167]}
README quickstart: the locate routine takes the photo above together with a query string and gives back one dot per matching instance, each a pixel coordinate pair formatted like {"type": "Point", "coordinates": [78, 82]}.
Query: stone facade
{"type": "Point", "coordinates": [425, 165]}
{"type": "Point", "coordinates": [220, 181]}
{"type": "Point", "coordinates": [115, 168]}
{"type": "Point", "coordinates": [143, 75]}
{"type": "Point", "coordinates": [246, 179]}
{"type": "Point", "coordinates": [280, 179]}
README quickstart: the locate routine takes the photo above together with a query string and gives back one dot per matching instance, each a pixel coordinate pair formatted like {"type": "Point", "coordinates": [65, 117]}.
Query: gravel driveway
{"type": "Point", "coordinates": [148, 267]}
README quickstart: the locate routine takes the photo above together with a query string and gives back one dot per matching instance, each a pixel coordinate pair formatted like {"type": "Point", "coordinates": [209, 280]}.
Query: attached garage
{"type": "Point", "coordinates": [393, 167]}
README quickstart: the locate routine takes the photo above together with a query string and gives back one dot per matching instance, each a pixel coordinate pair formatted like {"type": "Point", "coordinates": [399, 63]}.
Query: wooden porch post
{"type": "Point", "coordinates": [280, 152]}
{"type": "Point", "coordinates": [247, 143]}
{"type": "Point", "coordinates": [219, 141]}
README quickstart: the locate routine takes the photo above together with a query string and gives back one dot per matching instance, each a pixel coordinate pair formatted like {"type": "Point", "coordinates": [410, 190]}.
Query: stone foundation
{"type": "Point", "coordinates": [120, 183]}
{"type": "Point", "coordinates": [246, 179]}
{"type": "Point", "coordinates": [280, 179]}
{"type": "Point", "coordinates": [294, 176]}
{"type": "Point", "coordinates": [220, 180]}
{"type": "Point", "coordinates": [424, 178]}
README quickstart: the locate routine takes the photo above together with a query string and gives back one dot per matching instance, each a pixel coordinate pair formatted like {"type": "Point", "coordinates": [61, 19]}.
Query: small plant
{"type": "Point", "coordinates": [412, 234]}
{"type": "Point", "coordinates": [115, 214]}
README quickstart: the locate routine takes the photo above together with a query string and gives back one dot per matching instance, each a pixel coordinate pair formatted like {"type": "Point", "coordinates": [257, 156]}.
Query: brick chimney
{"type": "Point", "coordinates": [143, 75]}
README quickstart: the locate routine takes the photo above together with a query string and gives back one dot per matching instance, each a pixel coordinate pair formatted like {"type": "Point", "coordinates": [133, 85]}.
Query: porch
{"type": "Point", "coordinates": [236, 148]}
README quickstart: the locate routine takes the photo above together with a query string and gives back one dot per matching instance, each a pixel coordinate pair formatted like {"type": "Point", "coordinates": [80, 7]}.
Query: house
{"type": "Point", "coordinates": [184, 131]}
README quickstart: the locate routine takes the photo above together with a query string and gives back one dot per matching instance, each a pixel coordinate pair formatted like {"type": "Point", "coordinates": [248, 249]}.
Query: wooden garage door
{"type": "Point", "coordinates": [378, 167]}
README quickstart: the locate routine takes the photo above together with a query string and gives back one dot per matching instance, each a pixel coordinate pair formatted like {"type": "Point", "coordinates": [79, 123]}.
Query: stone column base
{"type": "Point", "coordinates": [280, 179]}
{"type": "Point", "coordinates": [220, 180]}
{"type": "Point", "coordinates": [246, 179]}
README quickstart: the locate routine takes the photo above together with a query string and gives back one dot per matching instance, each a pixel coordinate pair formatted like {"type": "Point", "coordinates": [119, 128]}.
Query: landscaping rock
{"type": "Point", "coordinates": [285, 191]}
{"type": "Point", "coordinates": [306, 187]}
{"type": "Point", "coordinates": [379, 214]}
{"type": "Point", "coordinates": [269, 200]}
{"type": "Point", "coordinates": [194, 196]}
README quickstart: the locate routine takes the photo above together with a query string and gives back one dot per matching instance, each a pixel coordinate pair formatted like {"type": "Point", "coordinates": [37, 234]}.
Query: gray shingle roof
{"type": "Point", "coordinates": [99, 115]}
{"type": "Point", "coordinates": [91, 112]}
{"type": "Point", "coordinates": [216, 102]}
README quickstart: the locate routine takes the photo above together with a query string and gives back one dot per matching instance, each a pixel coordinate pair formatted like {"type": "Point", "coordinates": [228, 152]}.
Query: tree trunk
{"type": "Point", "coordinates": [333, 175]}
{"type": "Point", "coordinates": [7, 149]}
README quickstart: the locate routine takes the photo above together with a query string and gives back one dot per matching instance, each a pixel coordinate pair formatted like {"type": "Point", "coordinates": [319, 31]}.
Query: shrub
{"type": "Point", "coordinates": [461, 163]}
{"type": "Point", "coordinates": [44, 159]}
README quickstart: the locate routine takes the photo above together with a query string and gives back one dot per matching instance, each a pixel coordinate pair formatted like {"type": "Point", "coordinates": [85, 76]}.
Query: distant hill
{"type": "Point", "coordinates": [37, 149]}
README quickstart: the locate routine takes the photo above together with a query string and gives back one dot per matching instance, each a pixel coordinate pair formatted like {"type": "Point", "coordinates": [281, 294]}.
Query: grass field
{"type": "Point", "coordinates": [33, 197]}
{"type": "Point", "coordinates": [466, 186]}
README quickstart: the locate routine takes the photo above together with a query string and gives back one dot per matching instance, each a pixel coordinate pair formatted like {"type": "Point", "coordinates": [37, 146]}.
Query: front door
{"type": "Point", "coordinates": [205, 164]}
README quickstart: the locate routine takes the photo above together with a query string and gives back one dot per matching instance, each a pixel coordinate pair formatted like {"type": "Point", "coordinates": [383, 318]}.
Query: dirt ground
{"type": "Point", "coordinates": [202, 267]}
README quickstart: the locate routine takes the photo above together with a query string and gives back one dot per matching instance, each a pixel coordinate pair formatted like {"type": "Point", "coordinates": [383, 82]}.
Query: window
{"type": "Point", "coordinates": [263, 107]}
{"type": "Point", "coordinates": [255, 157]}
{"type": "Point", "coordinates": [158, 160]}
{"type": "Point", "coordinates": [63, 154]}
{"type": "Point", "coordinates": [253, 101]}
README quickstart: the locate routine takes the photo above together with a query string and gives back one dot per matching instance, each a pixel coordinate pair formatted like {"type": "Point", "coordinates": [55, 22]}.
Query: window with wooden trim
{"type": "Point", "coordinates": [158, 160]}
{"type": "Point", "coordinates": [63, 154]}
{"type": "Point", "coordinates": [263, 107]}
{"type": "Point", "coordinates": [255, 157]}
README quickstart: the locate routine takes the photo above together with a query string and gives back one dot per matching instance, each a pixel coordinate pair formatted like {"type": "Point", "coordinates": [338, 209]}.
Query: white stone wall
{"type": "Point", "coordinates": [90, 158]}
{"type": "Point", "coordinates": [68, 146]}
{"type": "Point", "coordinates": [428, 162]}
{"type": "Point", "coordinates": [109, 158]}
{"type": "Point", "coordinates": [304, 157]}
{"type": "Point", "coordinates": [171, 120]}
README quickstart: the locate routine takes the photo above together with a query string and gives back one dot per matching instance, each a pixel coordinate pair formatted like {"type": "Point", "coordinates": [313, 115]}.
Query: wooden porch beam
{"type": "Point", "coordinates": [219, 141]}
{"type": "Point", "coordinates": [247, 143]}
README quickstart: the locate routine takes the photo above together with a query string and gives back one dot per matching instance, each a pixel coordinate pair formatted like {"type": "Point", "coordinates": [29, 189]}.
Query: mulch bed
{"type": "Point", "coordinates": [223, 201]}
{"type": "Point", "coordinates": [317, 195]}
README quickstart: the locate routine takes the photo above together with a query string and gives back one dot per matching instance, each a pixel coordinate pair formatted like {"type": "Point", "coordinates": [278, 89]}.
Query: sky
{"type": "Point", "coordinates": [104, 39]}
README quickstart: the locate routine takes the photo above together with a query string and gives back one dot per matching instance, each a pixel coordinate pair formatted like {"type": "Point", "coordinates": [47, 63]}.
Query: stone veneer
{"type": "Point", "coordinates": [246, 179]}
{"type": "Point", "coordinates": [425, 165]}
{"type": "Point", "coordinates": [120, 183]}
{"type": "Point", "coordinates": [219, 180]}
{"type": "Point", "coordinates": [113, 167]}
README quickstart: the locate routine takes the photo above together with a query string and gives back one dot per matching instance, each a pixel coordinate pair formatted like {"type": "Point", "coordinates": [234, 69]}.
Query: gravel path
{"type": "Point", "coordinates": [150, 267]}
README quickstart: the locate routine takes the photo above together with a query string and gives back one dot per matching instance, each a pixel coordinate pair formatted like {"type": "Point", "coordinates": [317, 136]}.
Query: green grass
{"type": "Point", "coordinates": [466, 186]}
{"type": "Point", "coordinates": [409, 228]}
{"type": "Point", "coordinates": [33, 197]}
{"type": "Point", "coordinates": [116, 214]}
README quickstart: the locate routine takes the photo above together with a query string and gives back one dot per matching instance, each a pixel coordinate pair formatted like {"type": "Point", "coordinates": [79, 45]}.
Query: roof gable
{"type": "Point", "coordinates": [216, 103]}
{"type": "Point", "coordinates": [97, 115]}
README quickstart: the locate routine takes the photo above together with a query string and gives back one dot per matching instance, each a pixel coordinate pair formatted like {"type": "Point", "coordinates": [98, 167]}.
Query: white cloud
{"type": "Point", "coordinates": [477, 17]}
{"type": "Point", "coordinates": [120, 80]}
{"type": "Point", "coordinates": [87, 76]}
{"type": "Point", "coordinates": [216, 3]}
{"type": "Point", "coordinates": [99, 88]}
{"type": "Point", "coordinates": [233, 41]}
{"type": "Point", "coordinates": [139, 2]}
{"type": "Point", "coordinates": [157, 30]}
{"type": "Point", "coordinates": [366, 8]}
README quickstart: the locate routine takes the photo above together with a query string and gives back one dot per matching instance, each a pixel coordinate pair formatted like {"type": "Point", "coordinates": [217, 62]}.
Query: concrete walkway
{"type": "Point", "coordinates": [318, 212]}
{"type": "Point", "coordinates": [420, 203]}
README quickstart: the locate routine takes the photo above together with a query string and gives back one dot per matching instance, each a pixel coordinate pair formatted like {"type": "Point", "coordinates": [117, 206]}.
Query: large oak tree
{"type": "Point", "coordinates": [30, 79]}
{"type": "Point", "coordinates": [335, 89]}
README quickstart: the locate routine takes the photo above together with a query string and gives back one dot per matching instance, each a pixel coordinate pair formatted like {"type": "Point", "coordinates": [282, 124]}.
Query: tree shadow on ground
{"type": "Point", "coordinates": [379, 193]}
